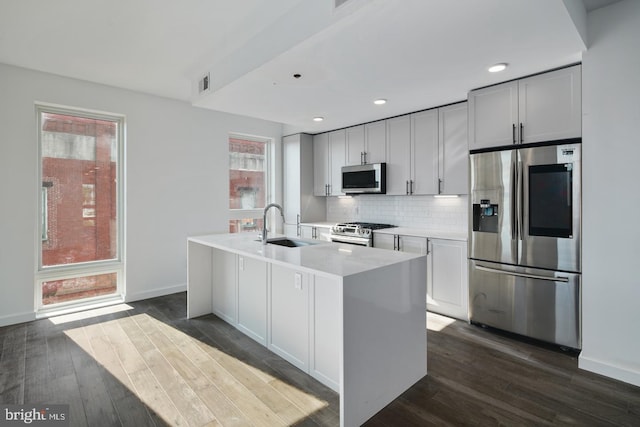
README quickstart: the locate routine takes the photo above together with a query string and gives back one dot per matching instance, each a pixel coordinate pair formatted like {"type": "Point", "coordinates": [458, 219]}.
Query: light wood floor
{"type": "Point", "coordinates": [148, 365]}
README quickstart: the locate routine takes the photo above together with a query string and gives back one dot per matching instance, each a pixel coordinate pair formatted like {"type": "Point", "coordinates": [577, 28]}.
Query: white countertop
{"type": "Point", "coordinates": [423, 232]}
{"type": "Point", "coordinates": [326, 258]}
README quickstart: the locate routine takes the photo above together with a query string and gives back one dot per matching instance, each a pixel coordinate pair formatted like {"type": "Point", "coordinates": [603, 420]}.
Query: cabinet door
{"type": "Point", "coordinates": [320, 164]}
{"type": "Point", "coordinates": [398, 155]}
{"type": "Point", "coordinates": [337, 153]}
{"type": "Point", "coordinates": [447, 278]}
{"type": "Point", "coordinates": [323, 233]}
{"type": "Point", "coordinates": [376, 142]}
{"type": "Point", "coordinates": [307, 232]}
{"type": "Point", "coordinates": [454, 149]}
{"type": "Point", "coordinates": [355, 145]}
{"type": "Point", "coordinates": [291, 178]}
{"type": "Point", "coordinates": [289, 315]}
{"type": "Point", "coordinates": [223, 273]}
{"type": "Point", "coordinates": [550, 105]}
{"type": "Point", "coordinates": [327, 336]}
{"type": "Point", "coordinates": [384, 241]}
{"type": "Point", "coordinates": [424, 152]}
{"type": "Point", "coordinates": [252, 298]}
{"type": "Point", "coordinates": [413, 244]}
{"type": "Point", "coordinates": [493, 116]}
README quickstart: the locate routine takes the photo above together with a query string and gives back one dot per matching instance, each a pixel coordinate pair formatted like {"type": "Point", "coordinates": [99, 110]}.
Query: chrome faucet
{"type": "Point", "coordinates": [264, 219]}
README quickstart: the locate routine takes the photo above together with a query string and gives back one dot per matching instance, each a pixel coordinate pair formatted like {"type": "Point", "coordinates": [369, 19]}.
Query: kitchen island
{"type": "Point", "coordinates": [352, 317]}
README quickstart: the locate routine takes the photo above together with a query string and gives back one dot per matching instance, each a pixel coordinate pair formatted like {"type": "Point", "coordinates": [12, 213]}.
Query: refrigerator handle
{"type": "Point", "coordinates": [514, 201]}
{"type": "Point", "coordinates": [562, 279]}
{"type": "Point", "coordinates": [520, 200]}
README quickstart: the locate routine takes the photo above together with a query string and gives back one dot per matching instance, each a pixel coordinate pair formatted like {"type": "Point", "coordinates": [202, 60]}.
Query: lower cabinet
{"type": "Point", "coordinates": [295, 314]}
{"type": "Point", "coordinates": [315, 232]}
{"type": "Point", "coordinates": [448, 278]}
{"type": "Point", "coordinates": [396, 242]}
{"type": "Point", "coordinates": [289, 322]}
{"type": "Point", "coordinates": [252, 298]}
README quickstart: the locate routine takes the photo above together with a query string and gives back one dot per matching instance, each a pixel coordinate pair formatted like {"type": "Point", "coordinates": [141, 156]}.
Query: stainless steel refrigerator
{"type": "Point", "coordinates": [524, 247]}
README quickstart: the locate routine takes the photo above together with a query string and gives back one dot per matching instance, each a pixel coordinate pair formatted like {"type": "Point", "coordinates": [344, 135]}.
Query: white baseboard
{"type": "Point", "coordinates": [608, 370]}
{"type": "Point", "coordinates": [13, 319]}
{"type": "Point", "coordinates": [130, 297]}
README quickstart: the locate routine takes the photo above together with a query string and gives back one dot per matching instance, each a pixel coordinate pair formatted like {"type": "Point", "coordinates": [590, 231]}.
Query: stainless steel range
{"type": "Point", "coordinates": [356, 233]}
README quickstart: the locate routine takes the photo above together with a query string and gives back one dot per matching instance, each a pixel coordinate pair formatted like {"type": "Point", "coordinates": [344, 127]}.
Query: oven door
{"type": "Point", "coordinates": [351, 240]}
{"type": "Point", "coordinates": [549, 206]}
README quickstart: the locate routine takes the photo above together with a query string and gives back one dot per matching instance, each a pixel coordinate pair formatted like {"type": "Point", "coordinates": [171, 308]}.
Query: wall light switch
{"type": "Point", "coordinates": [298, 284]}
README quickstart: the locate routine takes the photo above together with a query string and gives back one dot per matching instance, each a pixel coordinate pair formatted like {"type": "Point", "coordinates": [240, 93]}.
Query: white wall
{"type": "Point", "coordinates": [611, 195]}
{"type": "Point", "coordinates": [176, 179]}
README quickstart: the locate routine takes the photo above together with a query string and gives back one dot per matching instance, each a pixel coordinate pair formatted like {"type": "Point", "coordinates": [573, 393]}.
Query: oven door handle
{"type": "Point", "coordinates": [562, 279]}
{"type": "Point", "coordinates": [350, 240]}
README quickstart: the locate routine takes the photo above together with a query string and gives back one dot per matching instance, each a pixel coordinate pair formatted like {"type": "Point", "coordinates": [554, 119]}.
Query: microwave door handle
{"type": "Point", "coordinates": [562, 279]}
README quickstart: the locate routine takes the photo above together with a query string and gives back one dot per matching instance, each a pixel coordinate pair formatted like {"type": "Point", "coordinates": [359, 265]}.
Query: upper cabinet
{"type": "Point", "coordinates": [366, 143]}
{"type": "Point", "coordinates": [540, 108]}
{"type": "Point", "coordinates": [428, 152]}
{"type": "Point", "coordinates": [329, 154]}
{"type": "Point", "coordinates": [299, 203]}
{"type": "Point", "coordinates": [453, 150]}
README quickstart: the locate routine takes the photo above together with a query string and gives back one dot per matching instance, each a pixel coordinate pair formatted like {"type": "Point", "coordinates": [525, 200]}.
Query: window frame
{"type": "Point", "coordinates": [89, 268]}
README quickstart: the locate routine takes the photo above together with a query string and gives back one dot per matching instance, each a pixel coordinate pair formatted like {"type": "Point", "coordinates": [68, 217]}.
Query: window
{"type": "Point", "coordinates": [248, 182]}
{"type": "Point", "coordinates": [80, 207]}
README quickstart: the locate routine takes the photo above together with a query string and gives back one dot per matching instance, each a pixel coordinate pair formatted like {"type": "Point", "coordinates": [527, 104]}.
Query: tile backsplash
{"type": "Point", "coordinates": [441, 214]}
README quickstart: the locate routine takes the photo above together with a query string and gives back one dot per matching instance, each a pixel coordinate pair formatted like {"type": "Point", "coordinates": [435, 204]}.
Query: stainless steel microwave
{"type": "Point", "coordinates": [365, 179]}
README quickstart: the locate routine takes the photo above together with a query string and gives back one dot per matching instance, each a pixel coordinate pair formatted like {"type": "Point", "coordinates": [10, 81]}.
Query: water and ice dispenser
{"type": "Point", "coordinates": [485, 216]}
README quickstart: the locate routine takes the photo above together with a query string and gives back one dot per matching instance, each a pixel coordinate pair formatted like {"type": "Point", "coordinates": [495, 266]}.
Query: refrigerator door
{"type": "Point", "coordinates": [549, 207]}
{"type": "Point", "coordinates": [492, 224]}
{"type": "Point", "coordinates": [540, 304]}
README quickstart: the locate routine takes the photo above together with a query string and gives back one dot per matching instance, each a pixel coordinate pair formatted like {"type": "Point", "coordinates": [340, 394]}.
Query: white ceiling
{"type": "Point", "coordinates": [415, 53]}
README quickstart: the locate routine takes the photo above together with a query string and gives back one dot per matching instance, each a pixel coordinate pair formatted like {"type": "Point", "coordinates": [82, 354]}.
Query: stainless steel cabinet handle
{"type": "Point", "coordinates": [406, 187]}
{"type": "Point", "coordinates": [521, 133]}
{"type": "Point", "coordinates": [365, 158]}
{"type": "Point", "coordinates": [513, 132]}
{"type": "Point", "coordinates": [440, 186]}
{"type": "Point", "coordinates": [562, 279]}
{"type": "Point", "coordinates": [428, 250]}
{"type": "Point", "coordinates": [298, 231]}
{"type": "Point", "coordinates": [362, 158]}
{"type": "Point", "coordinates": [410, 186]}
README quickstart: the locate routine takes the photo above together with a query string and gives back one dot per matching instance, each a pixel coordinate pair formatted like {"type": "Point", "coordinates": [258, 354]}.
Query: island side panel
{"type": "Point", "coordinates": [385, 337]}
{"type": "Point", "coordinates": [199, 286]}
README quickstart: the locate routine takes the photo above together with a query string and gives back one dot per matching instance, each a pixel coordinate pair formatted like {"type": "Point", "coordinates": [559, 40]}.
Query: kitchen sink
{"type": "Point", "coordinates": [290, 243]}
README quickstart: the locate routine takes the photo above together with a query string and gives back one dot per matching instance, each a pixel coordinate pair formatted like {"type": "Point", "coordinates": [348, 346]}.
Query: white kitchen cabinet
{"type": "Point", "coordinates": [324, 363]}
{"type": "Point", "coordinates": [315, 232]}
{"type": "Point", "coordinates": [543, 107]}
{"type": "Point", "coordinates": [448, 278]}
{"type": "Point", "coordinates": [402, 243]}
{"type": "Point", "coordinates": [289, 315]}
{"type": "Point", "coordinates": [399, 155]}
{"type": "Point", "coordinates": [337, 152]}
{"type": "Point", "coordinates": [453, 150]}
{"type": "Point", "coordinates": [355, 145]}
{"type": "Point", "coordinates": [424, 153]}
{"type": "Point", "coordinates": [329, 155]}
{"type": "Point", "coordinates": [224, 273]}
{"type": "Point", "coordinates": [366, 143]}
{"type": "Point", "coordinates": [321, 164]}
{"type": "Point", "coordinates": [252, 298]}
{"type": "Point", "coordinates": [298, 200]}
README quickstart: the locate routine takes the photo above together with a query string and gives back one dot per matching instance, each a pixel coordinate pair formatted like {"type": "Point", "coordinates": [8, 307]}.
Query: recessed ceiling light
{"type": "Point", "coordinates": [498, 67]}
{"type": "Point", "coordinates": [318, 119]}
{"type": "Point", "coordinates": [380, 101]}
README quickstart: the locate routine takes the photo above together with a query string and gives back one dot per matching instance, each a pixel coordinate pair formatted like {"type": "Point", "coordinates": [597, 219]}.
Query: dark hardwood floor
{"type": "Point", "coordinates": [148, 365]}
